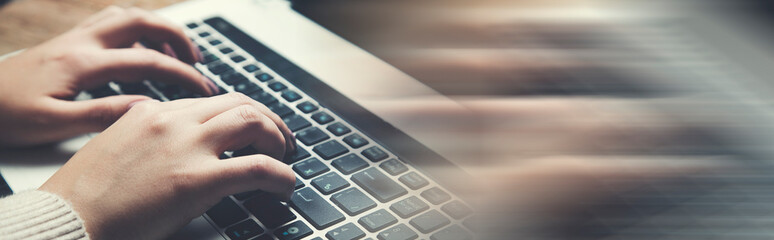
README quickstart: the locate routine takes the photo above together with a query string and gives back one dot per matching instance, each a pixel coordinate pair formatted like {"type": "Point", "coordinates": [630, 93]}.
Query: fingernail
{"type": "Point", "coordinates": [293, 143]}
{"type": "Point", "coordinates": [169, 51]}
{"type": "Point", "coordinates": [213, 88]}
{"type": "Point", "coordinates": [133, 103]}
{"type": "Point", "coordinates": [199, 54]}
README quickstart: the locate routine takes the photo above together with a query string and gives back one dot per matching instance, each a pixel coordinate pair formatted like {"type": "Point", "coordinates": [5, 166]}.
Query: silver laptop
{"type": "Point", "coordinates": [355, 175]}
{"type": "Point", "coordinates": [362, 174]}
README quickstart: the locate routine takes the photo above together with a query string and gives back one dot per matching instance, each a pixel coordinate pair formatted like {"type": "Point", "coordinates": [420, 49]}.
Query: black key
{"type": "Point", "coordinates": [263, 77]}
{"type": "Point", "coordinates": [346, 232]}
{"type": "Point", "coordinates": [349, 163]}
{"type": "Point", "coordinates": [244, 230]}
{"type": "Point", "coordinates": [281, 110]}
{"type": "Point", "coordinates": [178, 93]}
{"type": "Point", "coordinates": [103, 91]}
{"type": "Point", "coordinates": [456, 209]}
{"type": "Point", "coordinates": [249, 150]}
{"type": "Point", "coordinates": [264, 237]}
{"type": "Point", "coordinates": [393, 167]}
{"type": "Point", "coordinates": [355, 140]}
{"type": "Point", "coordinates": [290, 95]}
{"type": "Point", "coordinates": [429, 221]}
{"type": "Point", "coordinates": [413, 180]}
{"type": "Point", "coordinates": [299, 183]}
{"type": "Point", "coordinates": [133, 88]}
{"type": "Point", "coordinates": [277, 86]}
{"type": "Point", "coordinates": [266, 98]}
{"type": "Point", "coordinates": [226, 212]}
{"type": "Point", "coordinates": [322, 117]}
{"type": "Point", "coordinates": [263, 97]}
{"type": "Point", "coordinates": [215, 42]}
{"type": "Point", "coordinates": [310, 168]}
{"type": "Point", "coordinates": [353, 201]}
{"type": "Point", "coordinates": [315, 209]}
{"type": "Point", "coordinates": [293, 231]}
{"type": "Point", "coordinates": [377, 220]}
{"type": "Point", "coordinates": [238, 59]}
{"type": "Point", "coordinates": [269, 210]}
{"type": "Point", "coordinates": [374, 154]}
{"type": "Point", "coordinates": [218, 68]}
{"type": "Point", "coordinates": [192, 25]}
{"type": "Point", "coordinates": [204, 34]}
{"type": "Point", "coordinates": [246, 87]}
{"type": "Point", "coordinates": [317, 238]}
{"type": "Point", "coordinates": [451, 233]}
{"type": "Point", "coordinates": [311, 136]}
{"type": "Point", "coordinates": [307, 107]}
{"type": "Point", "coordinates": [202, 49]}
{"type": "Point", "coordinates": [330, 149]}
{"type": "Point", "coordinates": [226, 50]}
{"type": "Point", "coordinates": [233, 77]}
{"type": "Point", "coordinates": [329, 183]}
{"type": "Point", "coordinates": [378, 184]}
{"type": "Point", "coordinates": [409, 207]}
{"type": "Point", "coordinates": [298, 155]}
{"type": "Point", "coordinates": [399, 232]}
{"type": "Point", "coordinates": [208, 58]}
{"type": "Point", "coordinates": [251, 68]}
{"type": "Point", "coordinates": [435, 195]}
{"type": "Point", "coordinates": [296, 122]}
{"type": "Point", "coordinates": [338, 129]}
{"type": "Point", "coordinates": [221, 91]}
{"type": "Point", "coordinates": [245, 195]}
{"type": "Point", "coordinates": [212, 64]}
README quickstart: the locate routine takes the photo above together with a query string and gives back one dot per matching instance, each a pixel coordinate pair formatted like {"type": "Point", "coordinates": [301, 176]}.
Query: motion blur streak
{"type": "Point", "coordinates": [590, 119]}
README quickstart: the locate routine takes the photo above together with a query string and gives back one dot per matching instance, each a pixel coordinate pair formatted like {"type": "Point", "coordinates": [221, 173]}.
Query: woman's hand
{"type": "Point", "coordinates": [157, 167]}
{"type": "Point", "coordinates": [37, 86]}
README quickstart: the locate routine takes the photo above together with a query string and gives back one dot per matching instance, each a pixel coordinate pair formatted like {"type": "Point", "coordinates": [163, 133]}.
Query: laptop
{"type": "Point", "coordinates": [358, 175]}
{"type": "Point", "coordinates": [362, 174]}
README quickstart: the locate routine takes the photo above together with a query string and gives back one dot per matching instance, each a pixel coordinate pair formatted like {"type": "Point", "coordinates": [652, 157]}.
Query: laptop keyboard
{"type": "Point", "coordinates": [347, 185]}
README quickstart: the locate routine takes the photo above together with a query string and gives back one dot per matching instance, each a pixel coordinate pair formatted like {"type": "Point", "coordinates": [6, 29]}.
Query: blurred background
{"type": "Point", "coordinates": [587, 119]}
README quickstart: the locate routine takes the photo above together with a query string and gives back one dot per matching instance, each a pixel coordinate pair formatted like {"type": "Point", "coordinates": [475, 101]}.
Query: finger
{"type": "Point", "coordinates": [97, 114]}
{"type": "Point", "coordinates": [133, 65]}
{"type": "Point", "coordinates": [216, 105]}
{"type": "Point", "coordinates": [248, 173]}
{"type": "Point", "coordinates": [242, 126]}
{"type": "Point", "coordinates": [137, 24]}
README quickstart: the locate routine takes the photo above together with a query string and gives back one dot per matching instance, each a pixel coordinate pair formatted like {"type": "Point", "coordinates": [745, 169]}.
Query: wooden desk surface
{"type": "Point", "coordinates": [26, 23]}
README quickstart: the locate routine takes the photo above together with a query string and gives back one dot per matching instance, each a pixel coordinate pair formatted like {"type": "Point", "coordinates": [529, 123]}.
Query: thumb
{"type": "Point", "coordinates": [98, 114]}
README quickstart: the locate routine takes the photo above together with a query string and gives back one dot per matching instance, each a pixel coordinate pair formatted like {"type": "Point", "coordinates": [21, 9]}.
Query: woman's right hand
{"type": "Point", "coordinates": [157, 167]}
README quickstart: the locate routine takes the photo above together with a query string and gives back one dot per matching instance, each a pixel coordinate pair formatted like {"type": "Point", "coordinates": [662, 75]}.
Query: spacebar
{"type": "Point", "coordinates": [315, 209]}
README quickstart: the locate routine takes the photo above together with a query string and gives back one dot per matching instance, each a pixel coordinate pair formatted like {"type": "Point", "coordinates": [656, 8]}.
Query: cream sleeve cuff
{"type": "Point", "coordinates": [39, 215]}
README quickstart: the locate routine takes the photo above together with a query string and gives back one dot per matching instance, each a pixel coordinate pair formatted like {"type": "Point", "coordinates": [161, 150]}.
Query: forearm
{"type": "Point", "coordinates": [39, 215]}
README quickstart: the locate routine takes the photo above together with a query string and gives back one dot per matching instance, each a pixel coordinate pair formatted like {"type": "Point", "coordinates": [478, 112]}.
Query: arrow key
{"type": "Point", "coordinates": [347, 232]}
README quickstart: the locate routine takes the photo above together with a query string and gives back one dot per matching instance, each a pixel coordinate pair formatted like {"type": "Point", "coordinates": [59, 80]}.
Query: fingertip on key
{"type": "Point", "coordinates": [211, 85]}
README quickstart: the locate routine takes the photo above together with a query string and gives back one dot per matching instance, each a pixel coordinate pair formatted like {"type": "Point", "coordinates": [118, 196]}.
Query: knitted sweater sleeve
{"type": "Point", "coordinates": [39, 215]}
